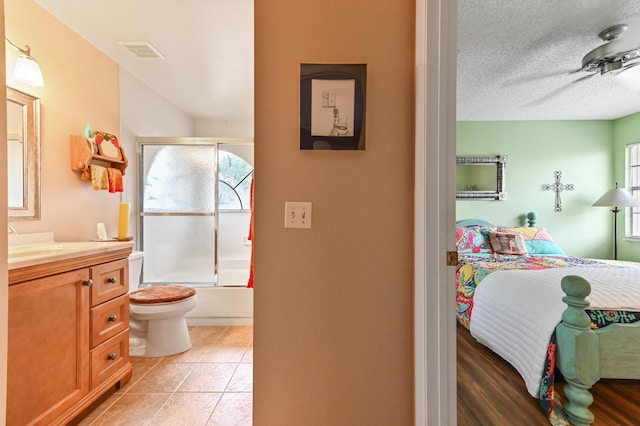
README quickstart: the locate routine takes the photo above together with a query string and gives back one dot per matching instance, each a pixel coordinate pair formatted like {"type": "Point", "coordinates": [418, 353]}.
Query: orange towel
{"type": "Point", "coordinates": [99, 179]}
{"type": "Point", "coordinates": [251, 236]}
{"type": "Point", "coordinates": [115, 180]}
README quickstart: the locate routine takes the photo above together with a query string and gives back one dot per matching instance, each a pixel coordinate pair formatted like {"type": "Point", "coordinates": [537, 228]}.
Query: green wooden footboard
{"type": "Point", "coordinates": [585, 355]}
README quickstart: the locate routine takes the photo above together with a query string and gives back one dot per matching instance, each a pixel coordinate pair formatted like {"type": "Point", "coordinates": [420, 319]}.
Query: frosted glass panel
{"type": "Point", "coordinates": [179, 178]}
{"type": "Point", "coordinates": [178, 249]}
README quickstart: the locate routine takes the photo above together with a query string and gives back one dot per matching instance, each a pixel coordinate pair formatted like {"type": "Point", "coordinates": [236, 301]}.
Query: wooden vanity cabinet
{"type": "Point", "coordinates": [68, 340]}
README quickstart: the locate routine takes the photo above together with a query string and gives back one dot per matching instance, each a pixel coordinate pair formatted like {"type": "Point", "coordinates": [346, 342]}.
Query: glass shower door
{"type": "Point", "coordinates": [177, 212]}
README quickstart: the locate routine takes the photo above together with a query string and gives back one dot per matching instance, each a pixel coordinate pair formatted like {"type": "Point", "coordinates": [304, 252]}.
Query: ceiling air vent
{"type": "Point", "coordinates": [142, 49]}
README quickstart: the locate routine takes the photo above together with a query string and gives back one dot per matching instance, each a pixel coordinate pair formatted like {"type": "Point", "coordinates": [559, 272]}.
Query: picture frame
{"type": "Point", "coordinates": [484, 183]}
{"type": "Point", "coordinates": [332, 106]}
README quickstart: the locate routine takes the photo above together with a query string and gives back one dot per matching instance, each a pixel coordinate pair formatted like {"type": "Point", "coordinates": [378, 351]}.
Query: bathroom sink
{"type": "Point", "coordinates": [21, 255]}
{"type": "Point", "coordinates": [46, 249]}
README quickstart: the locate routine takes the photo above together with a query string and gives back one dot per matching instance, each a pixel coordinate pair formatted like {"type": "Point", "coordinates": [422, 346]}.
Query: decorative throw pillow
{"type": "Point", "coordinates": [473, 239]}
{"type": "Point", "coordinates": [507, 243]}
{"type": "Point", "coordinates": [528, 233]}
{"type": "Point", "coordinates": [536, 240]}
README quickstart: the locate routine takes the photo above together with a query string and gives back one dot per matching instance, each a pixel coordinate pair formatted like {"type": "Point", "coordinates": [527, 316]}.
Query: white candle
{"type": "Point", "coordinates": [123, 221]}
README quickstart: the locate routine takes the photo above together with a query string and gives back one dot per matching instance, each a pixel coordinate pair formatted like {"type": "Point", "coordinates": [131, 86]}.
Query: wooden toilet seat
{"type": "Point", "coordinates": [161, 294]}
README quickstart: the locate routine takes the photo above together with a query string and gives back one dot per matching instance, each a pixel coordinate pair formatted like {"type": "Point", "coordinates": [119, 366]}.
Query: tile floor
{"type": "Point", "coordinates": [210, 384]}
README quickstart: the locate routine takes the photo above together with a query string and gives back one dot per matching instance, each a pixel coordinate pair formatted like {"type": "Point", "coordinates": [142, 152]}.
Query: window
{"type": "Point", "coordinates": [633, 179]}
{"type": "Point", "coordinates": [234, 182]}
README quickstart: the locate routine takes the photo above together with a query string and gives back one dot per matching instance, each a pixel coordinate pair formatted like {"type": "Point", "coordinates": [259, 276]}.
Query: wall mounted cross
{"type": "Point", "coordinates": [558, 187]}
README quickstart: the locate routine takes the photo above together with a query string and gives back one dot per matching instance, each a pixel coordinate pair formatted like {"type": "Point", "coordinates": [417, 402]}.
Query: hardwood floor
{"type": "Point", "coordinates": [491, 392]}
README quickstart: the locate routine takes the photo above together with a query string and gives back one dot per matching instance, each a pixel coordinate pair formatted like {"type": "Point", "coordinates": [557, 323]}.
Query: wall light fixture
{"type": "Point", "coordinates": [26, 68]}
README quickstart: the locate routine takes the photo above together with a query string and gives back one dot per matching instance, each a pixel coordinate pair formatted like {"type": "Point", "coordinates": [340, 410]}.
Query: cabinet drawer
{"type": "Point", "coordinates": [109, 319]}
{"type": "Point", "coordinates": [109, 357]}
{"type": "Point", "coordinates": [109, 280]}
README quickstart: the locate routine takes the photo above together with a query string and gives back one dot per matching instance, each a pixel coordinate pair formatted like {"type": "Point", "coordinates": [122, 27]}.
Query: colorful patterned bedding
{"type": "Point", "coordinates": [474, 267]}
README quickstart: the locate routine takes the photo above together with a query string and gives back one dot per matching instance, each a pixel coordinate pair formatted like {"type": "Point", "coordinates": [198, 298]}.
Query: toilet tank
{"type": "Point", "coordinates": [135, 269]}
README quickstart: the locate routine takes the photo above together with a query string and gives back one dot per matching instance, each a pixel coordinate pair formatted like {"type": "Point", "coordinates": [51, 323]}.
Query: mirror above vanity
{"type": "Point", "coordinates": [23, 155]}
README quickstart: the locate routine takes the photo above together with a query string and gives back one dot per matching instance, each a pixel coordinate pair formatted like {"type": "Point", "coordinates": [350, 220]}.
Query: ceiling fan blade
{"type": "Point", "coordinates": [537, 76]}
{"type": "Point", "coordinates": [626, 67]}
{"type": "Point", "coordinates": [559, 91]}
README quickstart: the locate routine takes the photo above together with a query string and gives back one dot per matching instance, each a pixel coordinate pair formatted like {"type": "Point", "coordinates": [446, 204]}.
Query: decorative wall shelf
{"type": "Point", "coordinates": [82, 155]}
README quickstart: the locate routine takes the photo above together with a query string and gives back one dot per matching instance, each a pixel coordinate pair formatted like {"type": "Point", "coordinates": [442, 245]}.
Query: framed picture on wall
{"type": "Point", "coordinates": [332, 106]}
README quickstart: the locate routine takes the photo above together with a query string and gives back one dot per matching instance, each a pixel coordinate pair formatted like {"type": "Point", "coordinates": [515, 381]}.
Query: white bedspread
{"type": "Point", "coordinates": [515, 312]}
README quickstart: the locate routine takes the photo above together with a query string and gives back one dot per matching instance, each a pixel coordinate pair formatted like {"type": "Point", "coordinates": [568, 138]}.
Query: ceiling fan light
{"type": "Point", "coordinates": [630, 77]}
{"type": "Point", "coordinates": [28, 71]}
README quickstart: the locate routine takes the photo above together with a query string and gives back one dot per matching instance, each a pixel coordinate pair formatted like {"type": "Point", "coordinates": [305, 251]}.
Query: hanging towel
{"type": "Point", "coordinates": [251, 236]}
{"type": "Point", "coordinates": [99, 179]}
{"type": "Point", "coordinates": [115, 180]}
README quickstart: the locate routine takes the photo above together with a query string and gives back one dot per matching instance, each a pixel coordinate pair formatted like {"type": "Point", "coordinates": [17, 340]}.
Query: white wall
{"type": "Point", "coordinates": [226, 127]}
{"type": "Point", "coordinates": [143, 112]}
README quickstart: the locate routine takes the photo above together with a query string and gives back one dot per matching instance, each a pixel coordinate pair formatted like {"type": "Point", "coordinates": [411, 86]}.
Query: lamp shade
{"type": "Point", "coordinates": [617, 197]}
{"type": "Point", "coordinates": [28, 71]}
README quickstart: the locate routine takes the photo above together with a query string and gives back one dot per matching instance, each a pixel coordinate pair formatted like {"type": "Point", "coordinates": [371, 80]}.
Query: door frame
{"type": "Point", "coordinates": [434, 299]}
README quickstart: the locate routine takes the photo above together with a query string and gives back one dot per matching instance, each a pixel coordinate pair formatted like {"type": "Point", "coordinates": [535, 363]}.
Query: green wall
{"type": "Point", "coordinates": [626, 130]}
{"type": "Point", "coordinates": [581, 150]}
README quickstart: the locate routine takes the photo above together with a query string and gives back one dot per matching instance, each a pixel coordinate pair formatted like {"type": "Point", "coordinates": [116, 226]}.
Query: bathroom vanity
{"type": "Point", "coordinates": [68, 334]}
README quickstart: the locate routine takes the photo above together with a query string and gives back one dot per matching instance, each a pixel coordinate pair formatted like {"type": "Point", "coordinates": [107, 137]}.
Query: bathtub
{"type": "Point", "coordinates": [222, 306]}
{"type": "Point", "coordinates": [228, 303]}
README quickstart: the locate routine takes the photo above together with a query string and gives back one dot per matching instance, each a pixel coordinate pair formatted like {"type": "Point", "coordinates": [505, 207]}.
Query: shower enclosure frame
{"type": "Point", "coordinates": [140, 183]}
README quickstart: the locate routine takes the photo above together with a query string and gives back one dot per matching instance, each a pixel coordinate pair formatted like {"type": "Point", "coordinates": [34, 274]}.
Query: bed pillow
{"type": "Point", "coordinates": [473, 239]}
{"type": "Point", "coordinates": [536, 240]}
{"type": "Point", "coordinates": [507, 243]}
{"type": "Point", "coordinates": [543, 247]}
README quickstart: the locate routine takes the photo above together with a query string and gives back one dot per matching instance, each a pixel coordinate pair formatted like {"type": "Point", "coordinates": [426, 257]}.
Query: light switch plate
{"type": "Point", "coordinates": [297, 214]}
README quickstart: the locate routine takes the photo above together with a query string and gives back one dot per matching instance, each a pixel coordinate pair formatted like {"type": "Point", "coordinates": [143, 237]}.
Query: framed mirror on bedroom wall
{"type": "Point", "coordinates": [481, 177]}
{"type": "Point", "coordinates": [23, 155]}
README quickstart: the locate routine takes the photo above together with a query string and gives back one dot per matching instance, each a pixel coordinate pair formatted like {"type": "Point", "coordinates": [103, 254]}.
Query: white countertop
{"type": "Point", "coordinates": [33, 250]}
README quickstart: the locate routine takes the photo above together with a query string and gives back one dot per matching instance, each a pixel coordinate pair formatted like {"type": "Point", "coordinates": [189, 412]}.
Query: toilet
{"type": "Point", "coordinates": [156, 315]}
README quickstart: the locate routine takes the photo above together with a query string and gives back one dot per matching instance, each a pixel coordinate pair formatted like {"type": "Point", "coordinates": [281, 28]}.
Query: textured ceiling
{"type": "Point", "coordinates": [514, 59]}
{"type": "Point", "coordinates": [207, 45]}
{"type": "Point", "coordinates": [512, 54]}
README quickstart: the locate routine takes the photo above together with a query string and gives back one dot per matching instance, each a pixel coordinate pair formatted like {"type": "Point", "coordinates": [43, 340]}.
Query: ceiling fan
{"type": "Point", "coordinates": [615, 56]}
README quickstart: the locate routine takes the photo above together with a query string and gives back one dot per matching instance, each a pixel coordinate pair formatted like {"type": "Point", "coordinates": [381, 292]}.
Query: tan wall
{"type": "Point", "coordinates": [81, 85]}
{"type": "Point", "coordinates": [334, 304]}
{"type": "Point", "coordinates": [4, 292]}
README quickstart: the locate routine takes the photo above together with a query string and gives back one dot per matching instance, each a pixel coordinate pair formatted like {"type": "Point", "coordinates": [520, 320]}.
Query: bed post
{"type": "Point", "coordinates": [578, 351]}
{"type": "Point", "coordinates": [532, 217]}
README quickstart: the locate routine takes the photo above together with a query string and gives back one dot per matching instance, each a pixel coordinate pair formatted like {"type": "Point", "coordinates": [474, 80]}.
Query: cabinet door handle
{"type": "Point", "coordinates": [111, 356]}
{"type": "Point", "coordinates": [113, 318]}
{"type": "Point", "coordinates": [88, 282]}
{"type": "Point", "coordinates": [112, 280]}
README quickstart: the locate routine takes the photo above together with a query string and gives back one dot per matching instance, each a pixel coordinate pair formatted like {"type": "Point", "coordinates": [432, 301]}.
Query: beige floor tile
{"type": "Point", "coordinates": [133, 409]}
{"type": "Point", "coordinates": [145, 360]}
{"type": "Point", "coordinates": [225, 352]}
{"type": "Point", "coordinates": [239, 333]}
{"type": "Point", "coordinates": [164, 377]}
{"type": "Point", "coordinates": [207, 335]}
{"type": "Point", "coordinates": [100, 409]}
{"type": "Point", "coordinates": [248, 355]}
{"type": "Point", "coordinates": [140, 369]}
{"type": "Point", "coordinates": [191, 355]}
{"type": "Point", "coordinates": [208, 377]}
{"type": "Point", "coordinates": [242, 380]}
{"type": "Point", "coordinates": [187, 389]}
{"type": "Point", "coordinates": [234, 409]}
{"type": "Point", "coordinates": [187, 409]}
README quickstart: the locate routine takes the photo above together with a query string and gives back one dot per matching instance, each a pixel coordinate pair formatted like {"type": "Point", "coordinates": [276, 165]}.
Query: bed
{"type": "Point", "coordinates": [544, 311]}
